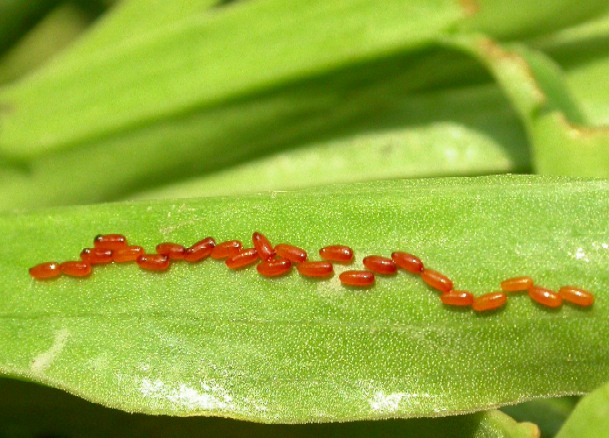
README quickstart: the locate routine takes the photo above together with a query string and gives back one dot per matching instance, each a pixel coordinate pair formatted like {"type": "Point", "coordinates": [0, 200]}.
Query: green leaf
{"type": "Point", "coordinates": [549, 414]}
{"type": "Point", "coordinates": [18, 16]}
{"type": "Point", "coordinates": [491, 145]}
{"type": "Point", "coordinates": [65, 415]}
{"type": "Point", "coordinates": [483, 134]}
{"type": "Point", "coordinates": [590, 417]}
{"type": "Point", "coordinates": [562, 144]}
{"type": "Point", "coordinates": [171, 73]}
{"type": "Point", "coordinates": [582, 54]}
{"type": "Point", "coordinates": [522, 18]}
{"type": "Point", "coordinates": [201, 340]}
{"type": "Point", "coordinates": [140, 18]}
{"type": "Point", "coordinates": [57, 30]}
{"type": "Point", "coordinates": [170, 84]}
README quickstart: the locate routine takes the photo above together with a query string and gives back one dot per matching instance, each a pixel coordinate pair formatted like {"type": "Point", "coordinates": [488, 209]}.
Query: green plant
{"type": "Point", "coordinates": [170, 100]}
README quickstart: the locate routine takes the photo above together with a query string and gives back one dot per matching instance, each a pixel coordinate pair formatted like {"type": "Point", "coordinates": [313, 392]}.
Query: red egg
{"type": "Point", "coordinates": [43, 271]}
{"type": "Point", "coordinates": [315, 269]}
{"type": "Point", "coordinates": [545, 297]}
{"type": "Point", "coordinates": [174, 251]}
{"type": "Point", "coordinates": [437, 280]}
{"type": "Point", "coordinates": [457, 298]}
{"type": "Point", "coordinates": [97, 255]}
{"type": "Point", "coordinates": [357, 278]}
{"type": "Point", "coordinates": [263, 246]}
{"type": "Point", "coordinates": [200, 250]}
{"type": "Point", "coordinates": [517, 284]}
{"type": "Point", "coordinates": [153, 262]}
{"type": "Point", "coordinates": [575, 295]}
{"type": "Point", "coordinates": [243, 258]}
{"type": "Point", "coordinates": [274, 268]}
{"type": "Point", "coordinates": [337, 253]}
{"type": "Point", "coordinates": [127, 254]}
{"type": "Point", "coordinates": [76, 269]}
{"type": "Point", "coordinates": [380, 265]}
{"type": "Point", "coordinates": [408, 262]}
{"type": "Point", "coordinates": [226, 249]}
{"type": "Point", "coordinates": [490, 301]}
{"type": "Point", "coordinates": [292, 253]}
{"type": "Point", "coordinates": [110, 241]}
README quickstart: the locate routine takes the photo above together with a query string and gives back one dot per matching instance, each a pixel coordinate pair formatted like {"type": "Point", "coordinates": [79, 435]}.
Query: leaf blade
{"type": "Point", "coordinates": [158, 77]}
{"type": "Point", "coordinates": [204, 341]}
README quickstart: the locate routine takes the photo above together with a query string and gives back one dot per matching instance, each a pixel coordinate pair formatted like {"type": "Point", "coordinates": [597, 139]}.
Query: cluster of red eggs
{"type": "Point", "coordinates": [273, 261]}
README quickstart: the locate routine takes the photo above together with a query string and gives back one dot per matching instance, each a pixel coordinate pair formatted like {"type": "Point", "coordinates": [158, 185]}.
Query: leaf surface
{"type": "Point", "coordinates": [201, 340]}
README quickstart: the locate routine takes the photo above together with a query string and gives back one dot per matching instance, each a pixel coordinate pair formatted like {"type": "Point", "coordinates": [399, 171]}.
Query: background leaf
{"type": "Point", "coordinates": [589, 417]}
{"type": "Point", "coordinates": [181, 116]}
{"type": "Point", "coordinates": [434, 149]}
{"type": "Point", "coordinates": [549, 112]}
{"type": "Point", "coordinates": [158, 70]}
{"type": "Point", "coordinates": [548, 414]}
{"type": "Point", "coordinates": [581, 51]}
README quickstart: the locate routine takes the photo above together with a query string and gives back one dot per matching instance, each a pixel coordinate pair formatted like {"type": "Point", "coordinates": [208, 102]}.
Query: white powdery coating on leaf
{"type": "Point", "coordinates": [580, 254]}
{"type": "Point", "coordinates": [207, 397]}
{"type": "Point", "coordinates": [44, 360]}
{"type": "Point", "coordinates": [390, 403]}
{"type": "Point", "coordinates": [386, 402]}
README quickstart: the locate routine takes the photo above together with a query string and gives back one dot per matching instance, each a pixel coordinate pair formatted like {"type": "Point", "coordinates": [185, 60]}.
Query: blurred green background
{"type": "Point", "coordinates": [109, 101]}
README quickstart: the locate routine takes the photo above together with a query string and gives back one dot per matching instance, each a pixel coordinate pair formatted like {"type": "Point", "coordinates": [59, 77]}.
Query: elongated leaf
{"type": "Point", "coordinates": [201, 340]}
{"type": "Point", "coordinates": [117, 88]}
{"type": "Point", "coordinates": [57, 30]}
{"type": "Point", "coordinates": [482, 129]}
{"type": "Point", "coordinates": [582, 53]}
{"type": "Point", "coordinates": [176, 80]}
{"type": "Point", "coordinates": [132, 20]}
{"type": "Point", "coordinates": [440, 149]}
{"type": "Point", "coordinates": [171, 73]}
{"type": "Point", "coordinates": [563, 145]}
{"type": "Point", "coordinates": [521, 18]}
